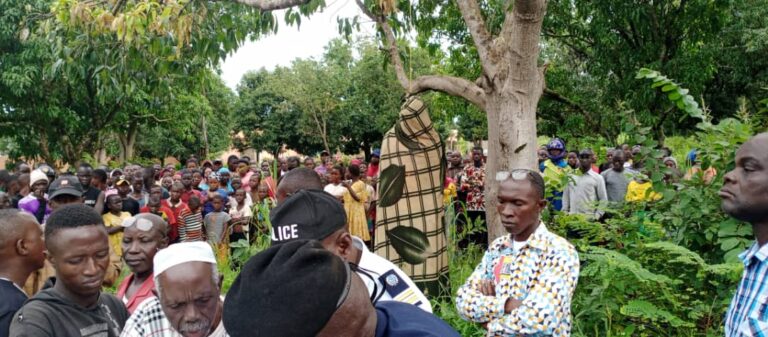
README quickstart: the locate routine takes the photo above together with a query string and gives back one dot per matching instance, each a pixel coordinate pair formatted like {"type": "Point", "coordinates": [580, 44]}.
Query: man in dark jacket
{"type": "Point", "coordinates": [72, 303]}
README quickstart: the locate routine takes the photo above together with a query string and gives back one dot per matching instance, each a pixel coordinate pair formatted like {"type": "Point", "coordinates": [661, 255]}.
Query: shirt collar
{"type": "Point", "coordinates": [538, 239]}
{"type": "Point", "coordinates": [761, 253]}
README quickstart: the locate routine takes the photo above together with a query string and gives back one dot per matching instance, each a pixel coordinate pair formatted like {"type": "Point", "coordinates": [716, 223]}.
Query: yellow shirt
{"type": "Point", "coordinates": [116, 239]}
{"type": "Point", "coordinates": [637, 192]}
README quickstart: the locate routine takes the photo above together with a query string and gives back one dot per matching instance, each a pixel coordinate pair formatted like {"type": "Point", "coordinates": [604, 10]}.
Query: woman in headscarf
{"type": "Point", "coordinates": [672, 174]}
{"type": "Point", "coordinates": [143, 236]}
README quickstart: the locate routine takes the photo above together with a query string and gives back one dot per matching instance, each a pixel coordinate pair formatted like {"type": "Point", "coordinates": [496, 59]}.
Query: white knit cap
{"type": "Point", "coordinates": [35, 176]}
{"type": "Point", "coordinates": [179, 253]}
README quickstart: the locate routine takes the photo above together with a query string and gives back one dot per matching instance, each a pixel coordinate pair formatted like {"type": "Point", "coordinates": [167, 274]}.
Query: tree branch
{"type": "Point", "coordinates": [454, 86]}
{"type": "Point", "coordinates": [268, 5]}
{"type": "Point", "coordinates": [389, 36]}
{"type": "Point", "coordinates": [556, 96]}
{"type": "Point", "coordinates": [473, 18]}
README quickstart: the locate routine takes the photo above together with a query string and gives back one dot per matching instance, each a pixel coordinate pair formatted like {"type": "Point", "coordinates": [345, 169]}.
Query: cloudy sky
{"type": "Point", "coordinates": [290, 42]}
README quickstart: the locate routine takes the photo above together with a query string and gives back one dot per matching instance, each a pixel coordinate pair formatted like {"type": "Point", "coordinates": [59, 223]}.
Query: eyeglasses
{"type": "Point", "coordinates": [585, 156]}
{"type": "Point", "coordinates": [141, 223]}
{"type": "Point", "coordinates": [516, 174]}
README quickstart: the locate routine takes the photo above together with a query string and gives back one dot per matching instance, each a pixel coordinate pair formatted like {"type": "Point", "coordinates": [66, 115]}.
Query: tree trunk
{"type": "Point", "coordinates": [206, 148]}
{"type": "Point", "coordinates": [128, 143]}
{"type": "Point", "coordinates": [508, 90]}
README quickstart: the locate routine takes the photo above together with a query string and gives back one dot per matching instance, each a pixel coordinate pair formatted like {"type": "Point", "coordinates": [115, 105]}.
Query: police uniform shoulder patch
{"type": "Point", "coordinates": [393, 283]}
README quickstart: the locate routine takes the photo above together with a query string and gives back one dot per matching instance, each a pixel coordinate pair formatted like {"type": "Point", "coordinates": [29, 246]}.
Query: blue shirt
{"type": "Point", "coordinates": [396, 319]}
{"type": "Point", "coordinates": [748, 313]}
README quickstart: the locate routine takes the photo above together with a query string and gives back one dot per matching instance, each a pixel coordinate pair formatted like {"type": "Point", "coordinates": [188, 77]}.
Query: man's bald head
{"type": "Point", "coordinates": [157, 222]}
{"type": "Point", "coordinates": [11, 229]}
{"type": "Point", "coordinates": [297, 179]}
{"type": "Point", "coordinates": [21, 244]}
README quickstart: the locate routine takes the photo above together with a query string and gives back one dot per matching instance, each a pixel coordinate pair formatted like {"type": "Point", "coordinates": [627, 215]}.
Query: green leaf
{"type": "Point", "coordinates": [669, 87]}
{"type": "Point", "coordinates": [391, 184]}
{"type": "Point", "coordinates": [729, 243]}
{"type": "Point", "coordinates": [410, 243]}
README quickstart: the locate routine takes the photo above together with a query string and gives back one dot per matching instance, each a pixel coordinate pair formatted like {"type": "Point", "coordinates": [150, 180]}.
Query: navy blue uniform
{"type": "Point", "coordinates": [397, 319]}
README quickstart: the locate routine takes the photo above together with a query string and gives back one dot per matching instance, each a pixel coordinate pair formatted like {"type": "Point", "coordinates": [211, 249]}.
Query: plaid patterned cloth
{"type": "Point", "coordinates": [149, 321]}
{"type": "Point", "coordinates": [415, 144]}
{"type": "Point", "coordinates": [748, 313]}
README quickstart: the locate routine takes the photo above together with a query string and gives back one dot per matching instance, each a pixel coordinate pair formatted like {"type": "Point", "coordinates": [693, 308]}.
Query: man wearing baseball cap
{"type": "Point", "coordinates": [65, 190]}
{"type": "Point", "coordinates": [300, 289]}
{"type": "Point", "coordinates": [188, 301]}
{"type": "Point", "coordinates": [316, 215]}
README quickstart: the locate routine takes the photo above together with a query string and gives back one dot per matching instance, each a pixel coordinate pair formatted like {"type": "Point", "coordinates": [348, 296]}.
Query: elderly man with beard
{"type": "Point", "coordinates": [188, 301]}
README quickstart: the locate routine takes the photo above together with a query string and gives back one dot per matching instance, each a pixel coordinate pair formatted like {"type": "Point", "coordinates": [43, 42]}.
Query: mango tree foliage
{"type": "Point", "coordinates": [88, 69]}
{"type": "Point", "coordinates": [209, 107]}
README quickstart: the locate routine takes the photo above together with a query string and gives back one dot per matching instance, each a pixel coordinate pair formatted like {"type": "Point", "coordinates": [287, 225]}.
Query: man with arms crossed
{"type": "Point", "coordinates": [524, 284]}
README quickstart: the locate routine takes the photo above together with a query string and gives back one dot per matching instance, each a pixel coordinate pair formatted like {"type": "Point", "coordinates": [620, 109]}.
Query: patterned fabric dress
{"type": "Point", "coordinates": [358, 225]}
{"type": "Point", "coordinates": [414, 144]}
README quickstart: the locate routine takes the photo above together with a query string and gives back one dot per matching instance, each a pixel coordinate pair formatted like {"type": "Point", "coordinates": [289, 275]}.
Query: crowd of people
{"type": "Point", "coordinates": [64, 237]}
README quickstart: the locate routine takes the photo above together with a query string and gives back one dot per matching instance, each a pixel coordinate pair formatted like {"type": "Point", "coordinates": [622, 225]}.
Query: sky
{"type": "Point", "coordinates": [291, 42]}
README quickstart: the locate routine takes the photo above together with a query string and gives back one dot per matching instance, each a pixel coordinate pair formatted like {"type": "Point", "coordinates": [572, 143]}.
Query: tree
{"type": "Point", "coordinates": [508, 87]}
{"type": "Point", "coordinates": [190, 111]}
{"type": "Point", "coordinates": [602, 44]}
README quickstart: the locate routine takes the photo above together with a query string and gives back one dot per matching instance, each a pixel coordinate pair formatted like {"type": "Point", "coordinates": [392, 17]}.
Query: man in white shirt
{"type": "Point", "coordinates": [316, 215]}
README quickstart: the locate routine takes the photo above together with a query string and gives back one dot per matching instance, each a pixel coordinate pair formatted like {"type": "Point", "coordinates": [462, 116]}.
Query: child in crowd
{"type": "Point", "coordinates": [138, 194]}
{"type": "Point", "coordinates": [254, 182]}
{"type": "Point", "coordinates": [355, 197]}
{"type": "Point", "coordinates": [216, 225]}
{"type": "Point", "coordinates": [334, 187]}
{"type": "Point", "coordinates": [156, 207]}
{"type": "Point", "coordinates": [113, 220]}
{"type": "Point", "coordinates": [237, 183]}
{"type": "Point", "coordinates": [177, 207]}
{"type": "Point", "coordinates": [193, 222]}
{"type": "Point", "coordinates": [260, 211]}
{"type": "Point", "coordinates": [240, 214]}
{"type": "Point", "coordinates": [213, 189]}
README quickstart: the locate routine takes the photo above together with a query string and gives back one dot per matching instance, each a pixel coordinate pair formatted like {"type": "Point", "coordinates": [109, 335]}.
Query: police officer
{"type": "Point", "coordinates": [317, 215]}
{"type": "Point", "coordinates": [300, 289]}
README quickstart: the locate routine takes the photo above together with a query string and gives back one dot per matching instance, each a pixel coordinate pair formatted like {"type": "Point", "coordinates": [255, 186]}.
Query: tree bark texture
{"type": "Point", "coordinates": [508, 90]}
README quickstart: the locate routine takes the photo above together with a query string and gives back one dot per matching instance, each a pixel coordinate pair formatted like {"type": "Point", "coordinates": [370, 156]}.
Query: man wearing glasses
{"type": "Point", "coordinates": [525, 281]}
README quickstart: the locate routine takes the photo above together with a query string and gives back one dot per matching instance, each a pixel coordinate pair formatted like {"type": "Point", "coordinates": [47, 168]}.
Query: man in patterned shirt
{"type": "Point", "coordinates": [744, 197]}
{"type": "Point", "coordinates": [473, 184]}
{"type": "Point", "coordinates": [525, 281]}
